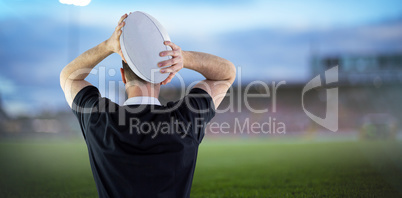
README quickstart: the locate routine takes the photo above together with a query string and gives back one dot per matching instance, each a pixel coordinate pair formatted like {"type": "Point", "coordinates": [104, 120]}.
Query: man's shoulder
{"type": "Point", "coordinates": [197, 103]}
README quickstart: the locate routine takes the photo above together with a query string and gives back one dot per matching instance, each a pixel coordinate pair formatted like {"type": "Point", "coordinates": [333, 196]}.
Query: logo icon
{"type": "Point", "coordinates": [331, 115]}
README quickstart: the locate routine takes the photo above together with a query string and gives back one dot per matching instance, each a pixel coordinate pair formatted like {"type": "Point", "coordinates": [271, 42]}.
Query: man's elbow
{"type": "Point", "coordinates": [232, 72]}
{"type": "Point", "coordinates": [63, 79]}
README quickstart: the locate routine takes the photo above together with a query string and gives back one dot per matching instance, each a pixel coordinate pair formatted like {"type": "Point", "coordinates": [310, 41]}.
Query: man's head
{"type": "Point", "coordinates": [136, 86]}
{"type": "Point", "coordinates": [129, 76]}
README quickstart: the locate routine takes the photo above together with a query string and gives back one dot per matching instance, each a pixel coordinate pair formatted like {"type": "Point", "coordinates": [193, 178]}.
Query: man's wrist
{"type": "Point", "coordinates": [107, 46]}
{"type": "Point", "coordinates": [185, 57]}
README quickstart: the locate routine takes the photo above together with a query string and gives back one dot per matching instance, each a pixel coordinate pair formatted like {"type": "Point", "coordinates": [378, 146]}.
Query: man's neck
{"type": "Point", "coordinates": [144, 90]}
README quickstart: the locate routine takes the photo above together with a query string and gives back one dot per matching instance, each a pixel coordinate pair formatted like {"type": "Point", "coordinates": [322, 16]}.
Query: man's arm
{"type": "Point", "coordinates": [72, 77]}
{"type": "Point", "coordinates": [219, 72]}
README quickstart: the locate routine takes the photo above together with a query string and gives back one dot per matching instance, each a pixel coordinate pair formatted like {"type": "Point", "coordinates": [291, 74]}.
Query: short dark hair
{"type": "Point", "coordinates": [130, 75]}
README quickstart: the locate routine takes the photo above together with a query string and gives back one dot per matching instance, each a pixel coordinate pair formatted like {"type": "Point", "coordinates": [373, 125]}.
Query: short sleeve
{"type": "Point", "coordinates": [84, 106]}
{"type": "Point", "coordinates": [196, 108]}
{"type": "Point", "coordinates": [200, 104]}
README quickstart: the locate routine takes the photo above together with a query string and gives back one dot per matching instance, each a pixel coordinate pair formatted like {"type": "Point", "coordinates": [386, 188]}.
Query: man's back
{"type": "Point", "coordinates": [146, 153]}
{"type": "Point", "coordinates": [143, 150]}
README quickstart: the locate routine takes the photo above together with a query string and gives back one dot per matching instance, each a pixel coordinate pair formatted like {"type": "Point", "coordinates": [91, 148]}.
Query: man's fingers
{"type": "Point", "coordinates": [121, 23]}
{"type": "Point", "coordinates": [122, 18]}
{"type": "Point", "coordinates": [168, 79]}
{"type": "Point", "coordinates": [170, 61]}
{"type": "Point", "coordinates": [120, 26]}
{"type": "Point", "coordinates": [174, 68]}
{"type": "Point", "coordinates": [175, 62]}
{"type": "Point", "coordinates": [172, 45]}
{"type": "Point", "coordinates": [169, 53]}
{"type": "Point", "coordinates": [119, 33]}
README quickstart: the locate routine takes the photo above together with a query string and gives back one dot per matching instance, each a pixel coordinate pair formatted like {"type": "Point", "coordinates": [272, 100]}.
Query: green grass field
{"type": "Point", "coordinates": [249, 168]}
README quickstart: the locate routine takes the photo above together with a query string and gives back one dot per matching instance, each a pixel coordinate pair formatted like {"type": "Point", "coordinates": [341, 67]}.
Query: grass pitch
{"type": "Point", "coordinates": [249, 168]}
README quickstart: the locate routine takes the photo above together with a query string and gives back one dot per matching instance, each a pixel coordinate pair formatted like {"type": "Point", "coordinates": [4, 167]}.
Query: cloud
{"type": "Point", "coordinates": [75, 2]}
{"type": "Point", "coordinates": [206, 18]}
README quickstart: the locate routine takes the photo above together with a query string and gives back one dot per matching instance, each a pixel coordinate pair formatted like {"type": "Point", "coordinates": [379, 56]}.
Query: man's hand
{"type": "Point", "coordinates": [176, 63]}
{"type": "Point", "coordinates": [72, 77]}
{"type": "Point", "coordinates": [113, 43]}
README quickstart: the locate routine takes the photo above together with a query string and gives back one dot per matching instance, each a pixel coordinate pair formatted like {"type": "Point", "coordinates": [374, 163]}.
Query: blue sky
{"type": "Point", "coordinates": [227, 14]}
{"type": "Point", "coordinates": [268, 40]}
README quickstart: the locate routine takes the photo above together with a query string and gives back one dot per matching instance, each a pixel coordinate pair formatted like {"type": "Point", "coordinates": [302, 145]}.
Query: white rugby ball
{"type": "Point", "coordinates": [141, 42]}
